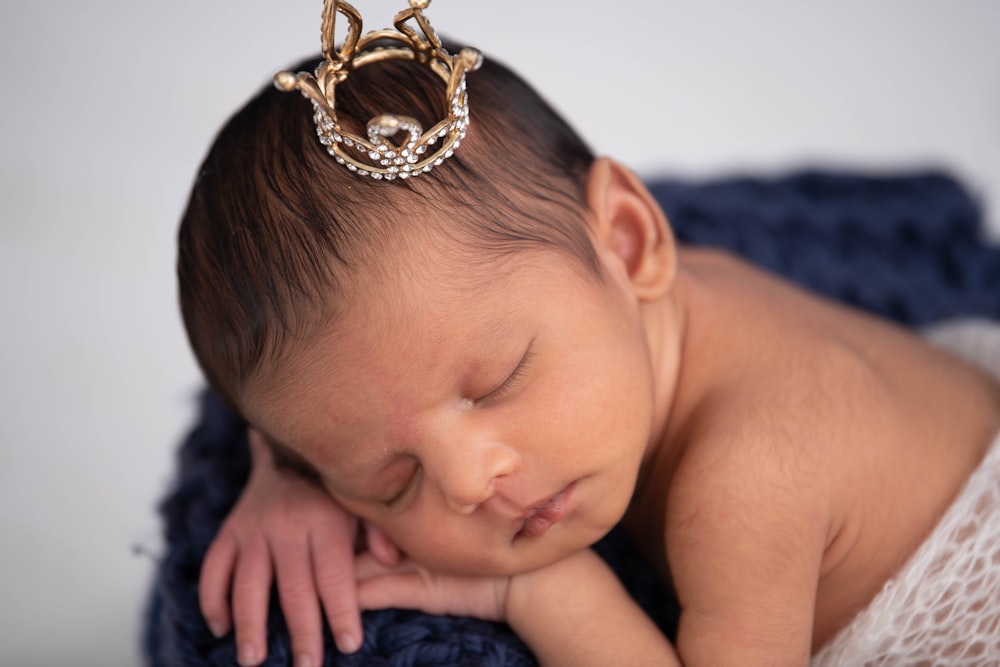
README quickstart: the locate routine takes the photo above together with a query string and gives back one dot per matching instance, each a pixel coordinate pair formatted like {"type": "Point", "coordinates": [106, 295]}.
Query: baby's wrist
{"type": "Point", "coordinates": [514, 596]}
{"type": "Point", "coordinates": [531, 593]}
{"type": "Point", "coordinates": [501, 591]}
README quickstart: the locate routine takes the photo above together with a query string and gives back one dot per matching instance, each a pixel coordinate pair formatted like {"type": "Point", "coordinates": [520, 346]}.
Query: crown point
{"type": "Point", "coordinates": [472, 58]}
{"type": "Point", "coordinates": [285, 81]}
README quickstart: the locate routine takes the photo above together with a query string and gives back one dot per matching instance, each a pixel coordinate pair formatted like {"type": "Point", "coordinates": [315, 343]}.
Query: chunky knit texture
{"type": "Point", "coordinates": [907, 247]}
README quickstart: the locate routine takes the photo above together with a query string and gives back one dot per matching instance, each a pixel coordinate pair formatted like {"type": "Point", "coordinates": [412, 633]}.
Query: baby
{"type": "Point", "coordinates": [492, 362]}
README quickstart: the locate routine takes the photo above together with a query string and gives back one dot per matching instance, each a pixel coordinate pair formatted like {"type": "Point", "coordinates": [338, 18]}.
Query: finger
{"type": "Point", "coordinates": [384, 549]}
{"type": "Point", "coordinates": [413, 587]}
{"type": "Point", "coordinates": [215, 581]}
{"type": "Point", "coordinates": [366, 566]}
{"type": "Point", "coordinates": [299, 602]}
{"type": "Point", "coordinates": [406, 590]}
{"type": "Point", "coordinates": [333, 566]}
{"type": "Point", "coordinates": [251, 589]}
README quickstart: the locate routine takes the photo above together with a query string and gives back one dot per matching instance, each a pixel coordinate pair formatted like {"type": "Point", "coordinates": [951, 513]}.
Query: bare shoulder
{"type": "Point", "coordinates": [777, 394]}
{"type": "Point", "coordinates": [763, 492]}
{"type": "Point", "coordinates": [754, 445]}
{"type": "Point", "coordinates": [812, 428]}
{"type": "Point", "coordinates": [747, 522]}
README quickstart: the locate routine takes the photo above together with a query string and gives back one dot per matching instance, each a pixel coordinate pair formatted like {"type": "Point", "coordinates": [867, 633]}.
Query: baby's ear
{"type": "Point", "coordinates": [631, 228]}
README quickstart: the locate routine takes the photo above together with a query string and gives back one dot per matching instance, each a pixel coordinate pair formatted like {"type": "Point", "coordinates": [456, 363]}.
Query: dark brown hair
{"type": "Point", "coordinates": [273, 222]}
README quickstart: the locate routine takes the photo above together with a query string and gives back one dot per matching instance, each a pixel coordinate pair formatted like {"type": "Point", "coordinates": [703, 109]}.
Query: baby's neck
{"type": "Point", "coordinates": [666, 322]}
{"type": "Point", "coordinates": [676, 326]}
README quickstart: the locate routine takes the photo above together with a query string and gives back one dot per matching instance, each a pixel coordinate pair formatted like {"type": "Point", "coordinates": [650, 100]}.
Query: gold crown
{"type": "Point", "coordinates": [379, 154]}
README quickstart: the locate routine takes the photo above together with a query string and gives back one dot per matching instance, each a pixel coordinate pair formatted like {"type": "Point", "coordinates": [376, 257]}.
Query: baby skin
{"type": "Point", "coordinates": [775, 456]}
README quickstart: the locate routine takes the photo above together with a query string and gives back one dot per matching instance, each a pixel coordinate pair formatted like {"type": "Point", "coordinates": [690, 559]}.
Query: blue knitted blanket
{"type": "Point", "coordinates": [907, 247]}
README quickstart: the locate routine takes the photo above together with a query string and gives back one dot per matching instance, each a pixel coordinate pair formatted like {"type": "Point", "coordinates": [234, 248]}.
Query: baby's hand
{"type": "Point", "coordinates": [285, 526]}
{"type": "Point", "coordinates": [574, 611]}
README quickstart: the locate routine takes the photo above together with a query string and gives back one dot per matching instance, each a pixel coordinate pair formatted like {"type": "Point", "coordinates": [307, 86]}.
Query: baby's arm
{"type": "Point", "coordinates": [287, 527]}
{"type": "Point", "coordinates": [746, 531]}
{"type": "Point", "coordinates": [576, 612]}
{"type": "Point", "coordinates": [573, 612]}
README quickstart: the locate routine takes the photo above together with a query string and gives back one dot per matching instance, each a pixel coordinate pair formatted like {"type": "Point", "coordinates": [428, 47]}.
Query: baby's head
{"type": "Point", "coordinates": [275, 228]}
{"type": "Point", "coordinates": [460, 358]}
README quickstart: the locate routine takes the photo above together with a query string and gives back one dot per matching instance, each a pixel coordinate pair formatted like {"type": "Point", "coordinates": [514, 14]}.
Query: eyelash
{"type": "Point", "coordinates": [393, 502]}
{"type": "Point", "coordinates": [513, 379]}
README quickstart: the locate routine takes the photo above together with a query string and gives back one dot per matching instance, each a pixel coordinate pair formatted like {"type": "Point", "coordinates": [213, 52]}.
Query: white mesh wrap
{"type": "Point", "coordinates": [943, 606]}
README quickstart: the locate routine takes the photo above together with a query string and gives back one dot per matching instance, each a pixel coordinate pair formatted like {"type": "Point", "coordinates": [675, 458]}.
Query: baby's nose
{"type": "Point", "coordinates": [468, 477]}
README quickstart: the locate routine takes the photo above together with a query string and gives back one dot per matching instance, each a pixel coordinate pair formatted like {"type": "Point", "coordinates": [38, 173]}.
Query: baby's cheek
{"type": "Point", "coordinates": [425, 543]}
{"type": "Point", "coordinates": [432, 545]}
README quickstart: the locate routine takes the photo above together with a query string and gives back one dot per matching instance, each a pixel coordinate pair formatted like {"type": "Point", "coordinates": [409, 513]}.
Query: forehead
{"type": "Point", "coordinates": [421, 314]}
{"type": "Point", "coordinates": [429, 291]}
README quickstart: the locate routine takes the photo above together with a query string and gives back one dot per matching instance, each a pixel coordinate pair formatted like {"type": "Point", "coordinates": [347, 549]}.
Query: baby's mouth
{"type": "Point", "coordinates": [542, 517]}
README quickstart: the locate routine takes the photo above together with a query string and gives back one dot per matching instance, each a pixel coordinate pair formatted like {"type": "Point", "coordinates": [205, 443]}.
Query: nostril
{"type": "Point", "coordinates": [468, 500]}
{"type": "Point", "coordinates": [465, 508]}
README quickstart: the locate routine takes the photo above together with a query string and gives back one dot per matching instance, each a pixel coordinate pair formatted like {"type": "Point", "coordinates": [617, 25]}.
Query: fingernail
{"type": "Point", "coordinates": [304, 660]}
{"type": "Point", "coordinates": [248, 655]}
{"type": "Point", "coordinates": [218, 629]}
{"type": "Point", "coordinates": [348, 643]}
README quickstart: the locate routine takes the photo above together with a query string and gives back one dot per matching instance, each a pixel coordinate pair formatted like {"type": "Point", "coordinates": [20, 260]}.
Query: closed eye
{"type": "Point", "coordinates": [513, 380]}
{"type": "Point", "coordinates": [411, 482]}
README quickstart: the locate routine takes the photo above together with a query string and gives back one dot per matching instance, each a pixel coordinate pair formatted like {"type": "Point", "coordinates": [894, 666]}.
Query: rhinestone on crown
{"type": "Point", "coordinates": [395, 146]}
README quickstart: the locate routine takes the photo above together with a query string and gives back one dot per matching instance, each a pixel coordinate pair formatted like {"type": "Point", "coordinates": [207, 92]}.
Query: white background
{"type": "Point", "coordinates": [108, 106]}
